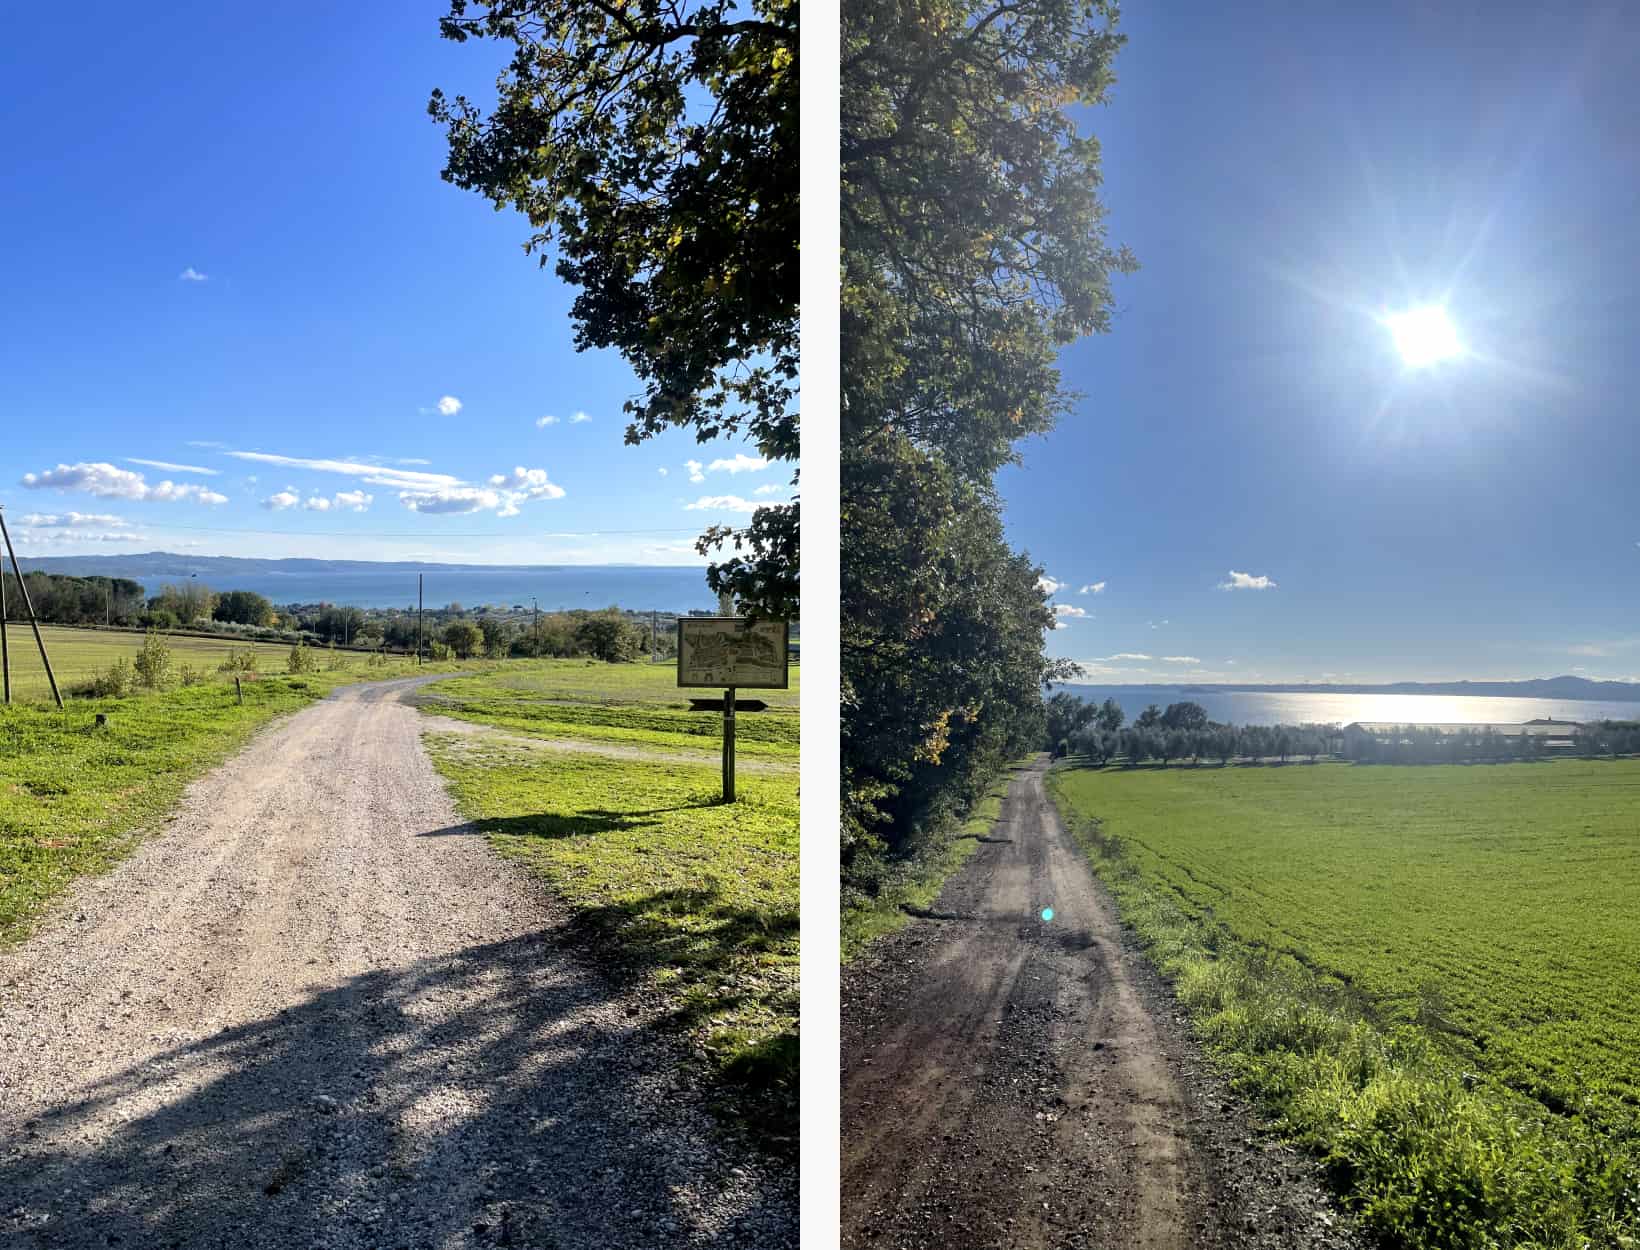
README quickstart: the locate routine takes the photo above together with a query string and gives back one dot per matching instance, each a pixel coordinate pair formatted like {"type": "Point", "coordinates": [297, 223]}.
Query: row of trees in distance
{"type": "Point", "coordinates": [973, 250]}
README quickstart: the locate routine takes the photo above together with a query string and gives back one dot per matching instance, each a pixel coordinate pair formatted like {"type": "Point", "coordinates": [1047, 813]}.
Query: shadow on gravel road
{"type": "Point", "coordinates": [474, 1099]}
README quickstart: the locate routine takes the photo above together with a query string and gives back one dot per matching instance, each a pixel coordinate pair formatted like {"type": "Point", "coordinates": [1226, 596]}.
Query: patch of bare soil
{"type": "Point", "coordinates": [1010, 1081]}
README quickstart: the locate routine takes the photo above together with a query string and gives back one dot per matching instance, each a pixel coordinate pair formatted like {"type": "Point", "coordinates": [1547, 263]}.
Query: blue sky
{"type": "Point", "coordinates": [1287, 174]}
{"type": "Point", "coordinates": [232, 267]}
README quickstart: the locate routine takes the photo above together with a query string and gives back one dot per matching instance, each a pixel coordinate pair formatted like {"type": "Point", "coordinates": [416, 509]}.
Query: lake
{"type": "Point", "coordinates": [669, 590]}
{"type": "Point", "coordinates": [1248, 707]}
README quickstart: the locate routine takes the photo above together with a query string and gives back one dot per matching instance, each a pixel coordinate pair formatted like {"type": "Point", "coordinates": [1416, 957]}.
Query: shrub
{"type": "Point", "coordinates": [153, 662]}
{"type": "Point", "coordinates": [188, 675]}
{"type": "Point", "coordinates": [302, 660]}
{"type": "Point", "coordinates": [239, 661]}
{"type": "Point", "coordinates": [117, 681]}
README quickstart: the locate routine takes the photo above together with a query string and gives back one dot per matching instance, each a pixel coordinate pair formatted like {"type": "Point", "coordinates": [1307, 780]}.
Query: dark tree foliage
{"type": "Point", "coordinates": [243, 607]}
{"type": "Point", "coordinates": [973, 249]}
{"type": "Point", "coordinates": [66, 600]}
{"type": "Point", "coordinates": [654, 145]}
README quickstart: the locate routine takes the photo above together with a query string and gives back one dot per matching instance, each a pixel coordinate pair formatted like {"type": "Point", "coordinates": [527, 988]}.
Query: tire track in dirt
{"type": "Point", "coordinates": [1015, 1082]}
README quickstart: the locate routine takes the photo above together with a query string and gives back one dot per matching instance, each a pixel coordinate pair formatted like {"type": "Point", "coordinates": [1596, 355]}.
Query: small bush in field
{"type": "Point", "coordinates": [188, 675]}
{"type": "Point", "coordinates": [239, 661]}
{"type": "Point", "coordinates": [117, 681]}
{"type": "Point", "coordinates": [302, 660]}
{"type": "Point", "coordinates": [153, 663]}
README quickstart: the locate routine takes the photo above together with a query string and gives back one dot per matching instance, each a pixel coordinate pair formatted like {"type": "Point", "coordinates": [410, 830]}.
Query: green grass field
{"type": "Point", "coordinates": [77, 654]}
{"type": "Point", "coordinates": [638, 704]}
{"type": "Point", "coordinates": [1431, 973]}
{"type": "Point", "coordinates": [669, 884]}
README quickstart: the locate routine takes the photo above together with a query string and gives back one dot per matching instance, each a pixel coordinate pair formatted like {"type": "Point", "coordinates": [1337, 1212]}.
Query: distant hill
{"type": "Point", "coordinates": [169, 564]}
{"type": "Point", "coordinates": [1566, 687]}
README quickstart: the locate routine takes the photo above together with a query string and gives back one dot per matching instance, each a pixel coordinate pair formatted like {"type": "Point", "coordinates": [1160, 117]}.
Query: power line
{"type": "Point", "coordinates": [422, 534]}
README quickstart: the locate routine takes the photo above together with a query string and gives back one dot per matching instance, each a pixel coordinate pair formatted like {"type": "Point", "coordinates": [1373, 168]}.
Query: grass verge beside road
{"type": "Point", "coordinates": [667, 884]}
{"type": "Point", "coordinates": [1348, 944]}
{"type": "Point", "coordinates": [635, 704]}
{"type": "Point", "coordinates": [912, 884]}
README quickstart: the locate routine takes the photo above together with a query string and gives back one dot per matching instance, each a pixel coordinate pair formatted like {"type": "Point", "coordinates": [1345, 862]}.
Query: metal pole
{"type": "Point", "coordinates": [29, 604]}
{"type": "Point", "coordinates": [5, 650]}
{"type": "Point", "coordinates": [729, 745]}
{"type": "Point", "coordinates": [535, 608]}
{"type": "Point", "coordinates": [418, 619]}
{"type": "Point", "coordinates": [654, 636]}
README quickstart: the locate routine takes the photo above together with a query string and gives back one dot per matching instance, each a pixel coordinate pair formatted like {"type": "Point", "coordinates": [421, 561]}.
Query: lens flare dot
{"type": "Point", "coordinates": [1047, 913]}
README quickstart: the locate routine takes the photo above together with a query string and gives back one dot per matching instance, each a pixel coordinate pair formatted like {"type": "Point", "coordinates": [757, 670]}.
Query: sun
{"type": "Point", "coordinates": [1424, 335]}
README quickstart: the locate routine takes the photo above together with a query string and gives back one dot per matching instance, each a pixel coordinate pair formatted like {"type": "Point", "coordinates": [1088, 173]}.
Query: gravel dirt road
{"type": "Point", "coordinates": [1011, 1082]}
{"type": "Point", "coordinates": [317, 1011]}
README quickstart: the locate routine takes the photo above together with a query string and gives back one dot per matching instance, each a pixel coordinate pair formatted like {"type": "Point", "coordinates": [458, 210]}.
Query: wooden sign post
{"type": "Point", "coordinates": [732, 653]}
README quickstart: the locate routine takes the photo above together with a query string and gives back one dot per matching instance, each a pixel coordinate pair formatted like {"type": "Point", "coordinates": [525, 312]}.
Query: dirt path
{"type": "Point", "coordinates": [1011, 1082]}
{"type": "Point", "coordinates": [317, 1011]}
{"type": "Point", "coordinates": [487, 734]}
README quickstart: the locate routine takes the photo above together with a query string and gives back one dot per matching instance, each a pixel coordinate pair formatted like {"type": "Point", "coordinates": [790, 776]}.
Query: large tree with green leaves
{"type": "Point", "coordinates": [973, 249]}
{"type": "Point", "coordinates": [653, 147]}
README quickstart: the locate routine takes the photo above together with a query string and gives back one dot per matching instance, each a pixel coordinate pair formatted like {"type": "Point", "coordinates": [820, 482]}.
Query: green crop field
{"type": "Point", "coordinates": [671, 886]}
{"type": "Point", "coordinates": [1483, 919]}
{"type": "Point", "coordinates": [638, 704]}
{"type": "Point", "coordinates": [77, 654]}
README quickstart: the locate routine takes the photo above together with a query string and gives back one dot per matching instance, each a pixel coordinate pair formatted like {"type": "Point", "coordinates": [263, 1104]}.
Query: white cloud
{"type": "Point", "coordinates": [1049, 585]}
{"type": "Point", "coordinates": [108, 482]}
{"type": "Point", "coordinates": [173, 468]}
{"type": "Point", "coordinates": [1180, 659]}
{"type": "Point", "coordinates": [77, 536]}
{"type": "Point", "coordinates": [451, 499]}
{"type": "Point", "coordinates": [1246, 581]}
{"type": "Point", "coordinates": [449, 405]}
{"type": "Point", "coordinates": [170, 492]}
{"type": "Point", "coordinates": [1126, 655]}
{"type": "Point", "coordinates": [426, 492]}
{"type": "Point", "coordinates": [190, 274]}
{"type": "Point", "coordinates": [411, 460]}
{"type": "Point", "coordinates": [1092, 588]}
{"type": "Point", "coordinates": [373, 474]}
{"type": "Point", "coordinates": [317, 503]}
{"type": "Point", "coordinates": [662, 470]}
{"type": "Point", "coordinates": [1065, 609]}
{"type": "Point", "coordinates": [542, 423]}
{"type": "Point", "coordinates": [73, 520]}
{"type": "Point", "coordinates": [768, 488]}
{"type": "Point", "coordinates": [522, 484]}
{"type": "Point", "coordinates": [578, 418]}
{"type": "Point", "coordinates": [287, 498]}
{"type": "Point", "coordinates": [721, 503]}
{"type": "Point", "coordinates": [739, 463]}
{"type": "Point", "coordinates": [694, 467]}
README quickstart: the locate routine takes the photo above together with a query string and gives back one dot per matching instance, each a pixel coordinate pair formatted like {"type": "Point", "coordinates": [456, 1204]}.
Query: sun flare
{"type": "Point", "coordinates": [1424, 335]}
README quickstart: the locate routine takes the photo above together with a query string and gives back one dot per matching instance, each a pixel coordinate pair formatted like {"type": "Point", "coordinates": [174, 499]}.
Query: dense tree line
{"type": "Point", "coordinates": [973, 249]}
{"type": "Point", "coordinates": [66, 600]}
{"type": "Point", "coordinates": [653, 146]}
{"type": "Point", "coordinates": [1183, 732]}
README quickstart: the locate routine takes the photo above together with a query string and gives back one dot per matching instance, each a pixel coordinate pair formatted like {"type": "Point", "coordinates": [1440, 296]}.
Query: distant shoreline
{"type": "Point", "coordinates": [1567, 687]}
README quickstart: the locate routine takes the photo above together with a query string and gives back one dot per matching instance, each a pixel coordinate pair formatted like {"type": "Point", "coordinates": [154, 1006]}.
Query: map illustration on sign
{"type": "Point", "coordinates": [726, 651]}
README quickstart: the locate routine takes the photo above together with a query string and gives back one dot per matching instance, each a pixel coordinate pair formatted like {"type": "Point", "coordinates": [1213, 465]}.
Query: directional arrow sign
{"type": "Point", "coordinates": [716, 705]}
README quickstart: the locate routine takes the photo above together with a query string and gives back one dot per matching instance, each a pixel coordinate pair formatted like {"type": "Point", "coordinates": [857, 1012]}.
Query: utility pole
{"type": "Point", "coordinates": [418, 618]}
{"type": "Point", "coordinates": [535, 608]}
{"type": "Point", "coordinates": [654, 636]}
{"type": "Point", "coordinates": [5, 650]}
{"type": "Point", "coordinates": [29, 604]}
